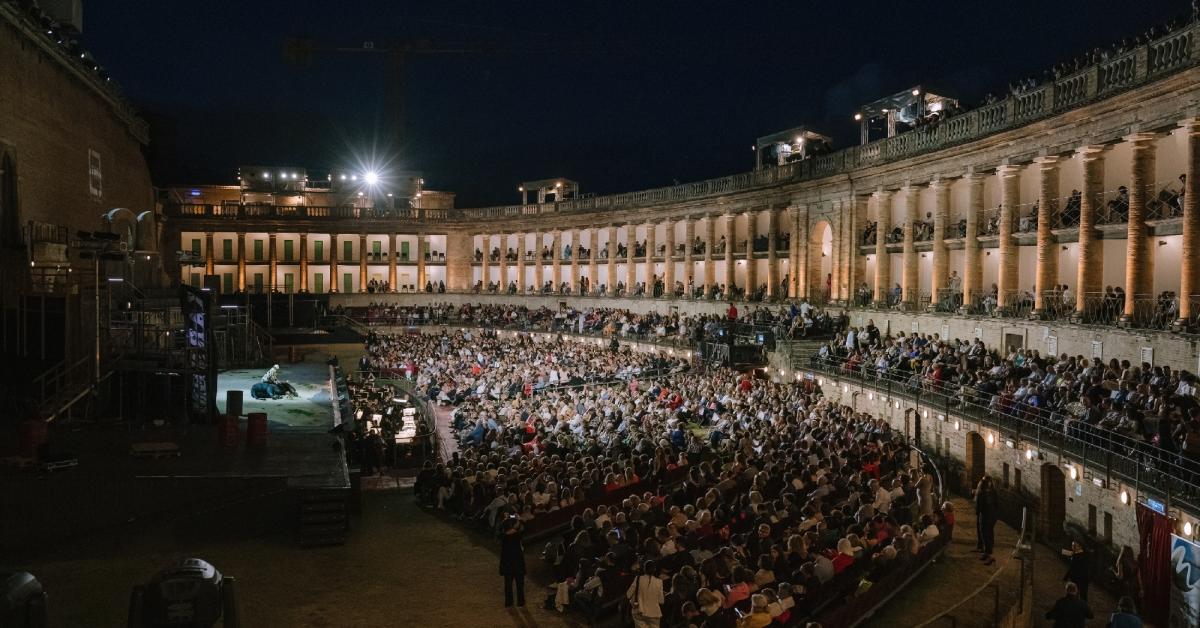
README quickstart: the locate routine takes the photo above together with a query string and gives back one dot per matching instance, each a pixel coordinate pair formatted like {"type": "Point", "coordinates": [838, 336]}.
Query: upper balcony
{"type": "Point", "coordinates": [1136, 66]}
{"type": "Point", "coordinates": [259, 211]}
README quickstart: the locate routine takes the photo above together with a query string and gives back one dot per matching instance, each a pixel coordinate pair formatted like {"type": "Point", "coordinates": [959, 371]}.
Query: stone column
{"type": "Point", "coordinates": [241, 261]}
{"type": "Point", "coordinates": [883, 262]}
{"type": "Point", "coordinates": [911, 273]}
{"type": "Point", "coordinates": [800, 261]}
{"type": "Point", "coordinates": [710, 266]}
{"type": "Point", "coordinates": [539, 265]}
{"type": "Point", "coordinates": [521, 285]}
{"type": "Point", "coordinates": [857, 259]}
{"type": "Point", "coordinates": [1090, 273]}
{"type": "Point", "coordinates": [593, 256]}
{"type": "Point", "coordinates": [503, 262]}
{"type": "Point", "coordinates": [730, 245]}
{"type": "Point", "coordinates": [485, 269]}
{"type": "Point", "coordinates": [392, 276]}
{"type": "Point", "coordinates": [669, 258]}
{"type": "Point", "coordinates": [1046, 276]}
{"type": "Point", "coordinates": [689, 265]}
{"type": "Point", "coordinates": [772, 256]}
{"type": "Point", "coordinates": [1139, 259]}
{"type": "Point", "coordinates": [209, 254]}
{"type": "Point", "coordinates": [751, 263]}
{"type": "Point", "coordinates": [573, 280]}
{"type": "Point", "coordinates": [941, 216]}
{"type": "Point", "coordinates": [843, 248]}
{"type": "Point", "coordinates": [362, 262]}
{"type": "Point", "coordinates": [612, 259]}
{"type": "Point", "coordinates": [1010, 262]}
{"type": "Point", "coordinates": [272, 263]}
{"type": "Point", "coordinates": [422, 248]}
{"type": "Point", "coordinates": [650, 244]}
{"type": "Point", "coordinates": [972, 279]}
{"type": "Point", "coordinates": [630, 265]}
{"type": "Point", "coordinates": [303, 262]}
{"type": "Point", "coordinates": [1189, 279]}
{"type": "Point", "coordinates": [333, 263]}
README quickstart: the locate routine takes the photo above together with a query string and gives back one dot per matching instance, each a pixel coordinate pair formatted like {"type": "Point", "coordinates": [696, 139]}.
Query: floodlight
{"type": "Point", "coordinates": [371, 177]}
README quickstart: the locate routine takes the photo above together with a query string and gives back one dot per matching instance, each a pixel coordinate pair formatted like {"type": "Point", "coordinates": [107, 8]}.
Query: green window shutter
{"type": "Point", "coordinates": [195, 246]}
{"type": "Point", "coordinates": [347, 250]}
{"type": "Point", "coordinates": [258, 250]}
{"type": "Point", "coordinates": [319, 282]}
{"type": "Point", "coordinates": [287, 250]}
{"type": "Point", "coordinates": [318, 251]}
{"type": "Point", "coordinates": [227, 249]}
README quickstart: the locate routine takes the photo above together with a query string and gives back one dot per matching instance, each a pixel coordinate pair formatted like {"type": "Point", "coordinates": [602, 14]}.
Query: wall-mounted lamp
{"type": "Point", "coordinates": [987, 253]}
{"type": "Point", "coordinates": [1065, 248]}
{"type": "Point", "coordinates": [1162, 242]}
{"type": "Point", "coordinates": [1125, 497]}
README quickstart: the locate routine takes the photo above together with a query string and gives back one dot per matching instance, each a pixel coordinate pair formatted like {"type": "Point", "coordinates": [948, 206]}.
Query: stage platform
{"type": "Point", "coordinates": [310, 411]}
{"type": "Point", "coordinates": [128, 476]}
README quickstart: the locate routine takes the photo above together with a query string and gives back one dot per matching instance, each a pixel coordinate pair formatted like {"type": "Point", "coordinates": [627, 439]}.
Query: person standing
{"type": "Point", "coordinates": [1070, 611]}
{"type": "Point", "coordinates": [987, 509]}
{"type": "Point", "coordinates": [1125, 616]}
{"type": "Point", "coordinates": [1078, 568]}
{"type": "Point", "coordinates": [646, 597]}
{"type": "Point", "coordinates": [512, 561]}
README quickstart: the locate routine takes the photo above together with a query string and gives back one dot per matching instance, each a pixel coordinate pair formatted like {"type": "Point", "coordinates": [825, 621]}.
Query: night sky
{"type": "Point", "coordinates": [616, 95]}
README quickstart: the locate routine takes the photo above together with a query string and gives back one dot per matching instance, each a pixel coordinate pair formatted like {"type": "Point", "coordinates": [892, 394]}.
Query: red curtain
{"type": "Point", "coordinates": [1154, 563]}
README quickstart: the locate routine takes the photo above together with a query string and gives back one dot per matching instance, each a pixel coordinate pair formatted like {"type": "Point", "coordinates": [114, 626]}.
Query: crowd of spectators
{"type": "Point", "coordinates": [711, 498]}
{"type": "Point", "coordinates": [1137, 405]}
{"type": "Point", "coordinates": [794, 320]}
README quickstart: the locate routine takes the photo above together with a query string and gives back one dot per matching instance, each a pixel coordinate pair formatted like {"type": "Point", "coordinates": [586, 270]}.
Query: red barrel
{"type": "Point", "coordinates": [31, 435]}
{"type": "Point", "coordinates": [256, 429]}
{"type": "Point", "coordinates": [227, 430]}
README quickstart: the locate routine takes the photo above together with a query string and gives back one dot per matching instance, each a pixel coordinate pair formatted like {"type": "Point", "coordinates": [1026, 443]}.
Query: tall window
{"type": "Point", "coordinates": [10, 222]}
{"type": "Point", "coordinates": [287, 250]}
{"type": "Point", "coordinates": [318, 252]}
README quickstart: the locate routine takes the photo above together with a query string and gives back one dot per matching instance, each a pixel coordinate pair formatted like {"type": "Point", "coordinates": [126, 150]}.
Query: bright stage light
{"type": "Point", "coordinates": [371, 177]}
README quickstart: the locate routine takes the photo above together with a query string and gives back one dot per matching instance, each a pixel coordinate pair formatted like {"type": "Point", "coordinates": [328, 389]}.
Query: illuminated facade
{"type": "Point", "coordinates": [1075, 182]}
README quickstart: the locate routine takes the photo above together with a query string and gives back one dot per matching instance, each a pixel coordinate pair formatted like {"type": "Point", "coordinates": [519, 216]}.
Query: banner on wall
{"type": "Point", "coordinates": [1185, 583]}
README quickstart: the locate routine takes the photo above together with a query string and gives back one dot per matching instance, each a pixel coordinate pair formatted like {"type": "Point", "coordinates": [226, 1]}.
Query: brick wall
{"type": "Point", "coordinates": [49, 119]}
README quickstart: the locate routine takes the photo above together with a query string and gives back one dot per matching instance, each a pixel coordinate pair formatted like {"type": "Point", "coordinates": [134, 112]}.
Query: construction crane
{"type": "Point", "coordinates": [301, 50]}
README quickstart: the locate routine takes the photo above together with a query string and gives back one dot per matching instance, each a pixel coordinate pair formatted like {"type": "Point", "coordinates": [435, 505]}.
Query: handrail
{"type": "Point", "coordinates": [1134, 461]}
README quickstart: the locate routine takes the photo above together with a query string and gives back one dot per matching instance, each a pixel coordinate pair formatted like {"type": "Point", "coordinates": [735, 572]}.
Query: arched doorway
{"type": "Point", "coordinates": [1052, 506]}
{"type": "Point", "coordinates": [976, 459]}
{"type": "Point", "coordinates": [820, 261]}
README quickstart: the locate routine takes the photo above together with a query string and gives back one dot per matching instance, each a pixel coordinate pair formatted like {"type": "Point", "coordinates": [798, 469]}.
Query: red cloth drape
{"type": "Point", "coordinates": [1154, 563]}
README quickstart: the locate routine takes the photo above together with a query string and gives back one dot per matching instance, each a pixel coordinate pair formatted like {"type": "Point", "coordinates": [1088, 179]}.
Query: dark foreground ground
{"type": "Point", "coordinates": [406, 567]}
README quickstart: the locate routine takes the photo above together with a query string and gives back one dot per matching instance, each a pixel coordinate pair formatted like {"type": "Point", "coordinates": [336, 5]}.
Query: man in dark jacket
{"type": "Point", "coordinates": [1078, 569]}
{"type": "Point", "coordinates": [512, 561]}
{"type": "Point", "coordinates": [1070, 611]}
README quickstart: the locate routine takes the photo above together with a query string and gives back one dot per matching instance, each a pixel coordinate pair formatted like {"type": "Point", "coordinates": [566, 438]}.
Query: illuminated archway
{"type": "Point", "coordinates": [820, 261]}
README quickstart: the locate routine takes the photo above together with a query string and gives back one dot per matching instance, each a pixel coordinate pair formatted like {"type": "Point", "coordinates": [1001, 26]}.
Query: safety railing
{"type": "Point", "coordinates": [1154, 312]}
{"type": "Point", "coordinates": [1015, 304]}
{"type": "Point", "coordinates": [1102, 308]}
{"type": "Point", "coordinates": [1057, 305]}
{"type": "Point", "coordinates": [948, 300]}
{"type": "Point", "coordinates": [1102, 453]}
